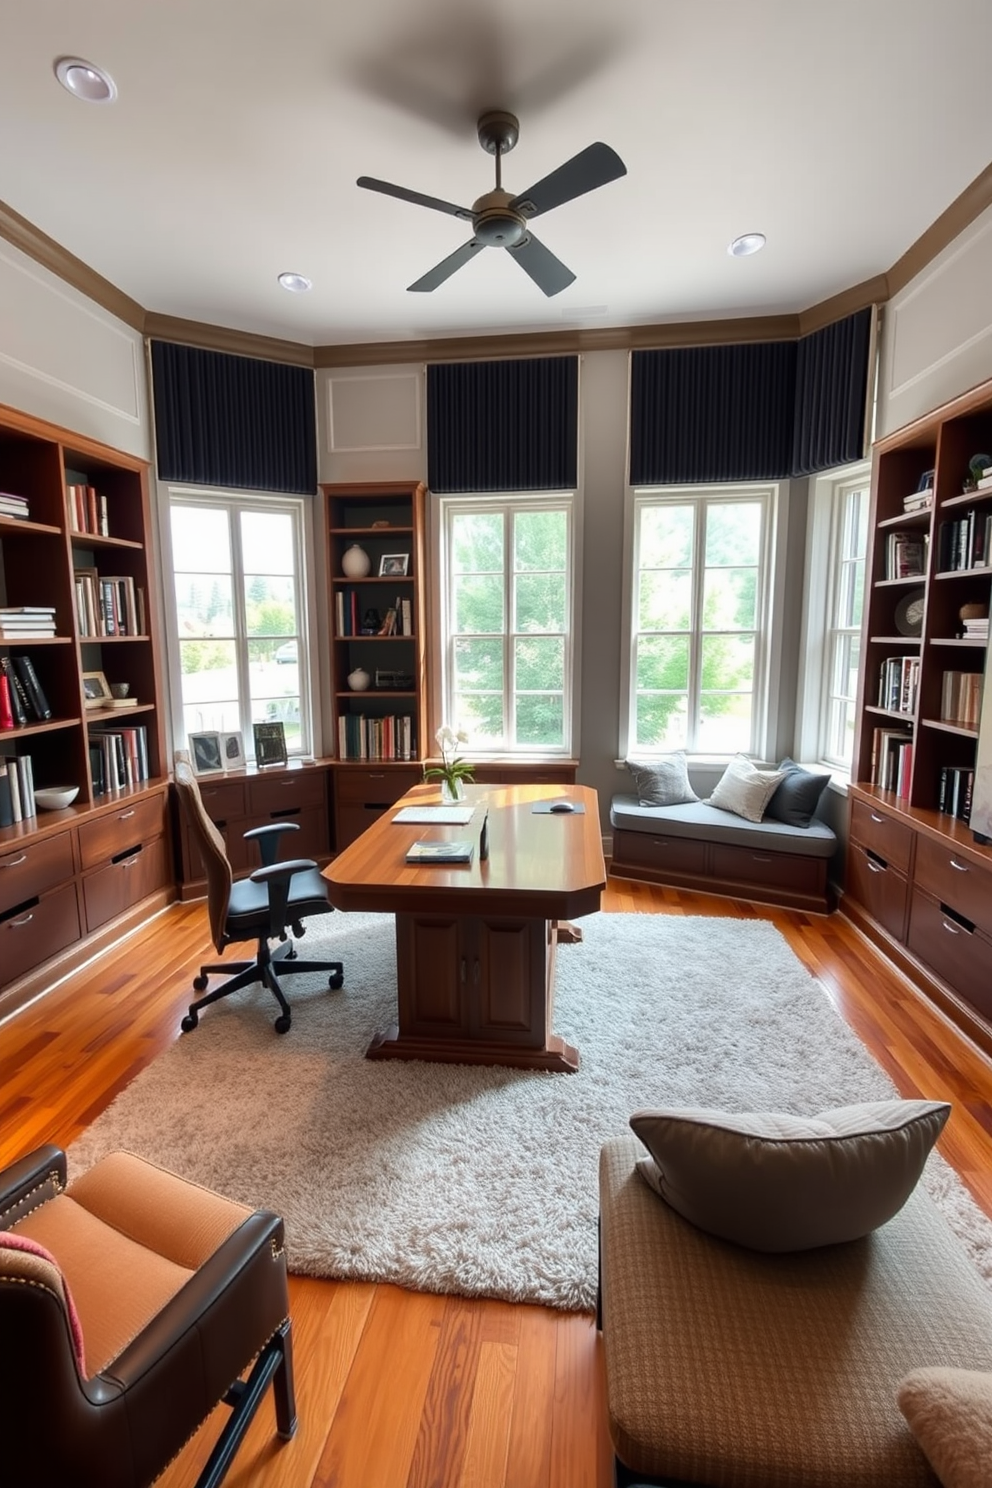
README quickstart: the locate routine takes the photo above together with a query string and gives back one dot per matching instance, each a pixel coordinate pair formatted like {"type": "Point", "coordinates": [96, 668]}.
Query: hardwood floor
{"type": "Point", "coordinates": [401, 1390]}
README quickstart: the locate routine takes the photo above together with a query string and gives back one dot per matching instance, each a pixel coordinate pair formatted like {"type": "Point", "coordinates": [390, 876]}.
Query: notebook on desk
{"type": "Point", "coordinates": [440, 852]}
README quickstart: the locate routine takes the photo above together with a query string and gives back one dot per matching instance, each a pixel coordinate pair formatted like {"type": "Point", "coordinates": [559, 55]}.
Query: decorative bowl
{"type": "Point", "coordinates": [56, 797]}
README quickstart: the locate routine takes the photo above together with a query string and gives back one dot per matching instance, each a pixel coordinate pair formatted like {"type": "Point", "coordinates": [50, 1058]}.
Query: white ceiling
{"type": "Point", "coordinates": [840, 129]}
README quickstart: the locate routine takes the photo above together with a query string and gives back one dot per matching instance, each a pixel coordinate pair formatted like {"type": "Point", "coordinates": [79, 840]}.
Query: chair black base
{"type": "Point", "coordinates": [275, 1364]}
{"type": "Point", "coordinates": [262, 969]}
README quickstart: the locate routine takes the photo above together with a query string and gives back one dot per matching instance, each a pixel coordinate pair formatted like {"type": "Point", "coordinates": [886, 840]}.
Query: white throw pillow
{"type": "Point", "coordinates": [949, 1411]}
{"type": "Point", "coordinates": [744, 789]}
{"type": "Point", "coordinates": [776, 1182]}
{"type": "Point", "coordinates": [663, 781]}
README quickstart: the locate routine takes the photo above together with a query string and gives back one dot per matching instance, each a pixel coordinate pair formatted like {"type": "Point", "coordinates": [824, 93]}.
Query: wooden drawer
{"type": "Point", "coordinates": [747, 865]}
{"type": "Point", "coordinates": [955, 881]}
{"type": "Point", "coordinates": [654, 850]}
{"type": "Point", "coordinates": [39, 931]}
{"type": "Point", "coordinates": [224, 799]}
{"type": "Point", "coordinates": [109, 835]}
{"type": "Point", "coordinates": [880, 888]}
{"type": "Point", "coordinates": [274, 795]}
{"type": "Point", "coordinates": [892, 840]}
{"type": "Point", "coordinates": [352, 820]}
{"type": "Point", "coordinates": [112, 890]}
{"type": "Point", "coordinates": [525, 774]}
{"type": "Point", "coordinates": [961, 956]}
{"type": "Point", "coordinates": [33, 868]}
{"type": "Point", "coordinates": [375, 786]}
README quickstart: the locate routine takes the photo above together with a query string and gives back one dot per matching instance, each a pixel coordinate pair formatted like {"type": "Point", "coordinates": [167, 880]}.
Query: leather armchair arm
{"type": "Point", "coordinates": [30, 1181]}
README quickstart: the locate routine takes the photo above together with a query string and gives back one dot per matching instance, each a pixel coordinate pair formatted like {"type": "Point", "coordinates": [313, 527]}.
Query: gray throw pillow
{"type": "Point", "coordinates": [775, 1182]}
{"type": "Point", "coordinates": [796, 799]}
{"type": "Point", "coordinates": [663, 781]}
{"type": "Point", "coordinates": [744, 789]}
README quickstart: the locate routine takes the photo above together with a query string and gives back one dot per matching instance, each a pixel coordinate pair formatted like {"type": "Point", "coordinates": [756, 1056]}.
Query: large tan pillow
{"type": "Point", "coordinates": [950, 1413]}
{"type": "Point", "coordinates": [777, 1182]}
{"type": "Point", "coordinates": [744, 789]}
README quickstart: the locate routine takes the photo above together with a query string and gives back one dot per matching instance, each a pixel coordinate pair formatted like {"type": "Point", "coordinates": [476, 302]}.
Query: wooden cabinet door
{"type": "Point", "coordinates": [509, 966]}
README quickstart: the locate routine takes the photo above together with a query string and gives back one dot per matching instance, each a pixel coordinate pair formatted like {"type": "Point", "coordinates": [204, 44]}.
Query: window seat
{"type": "Point", "coordinates": [698, 846]}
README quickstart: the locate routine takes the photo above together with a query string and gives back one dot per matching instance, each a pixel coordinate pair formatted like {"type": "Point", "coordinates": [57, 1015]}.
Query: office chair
{"type": "Point", "coordinates": [275, 898]}
{"type": "Point", "coordinates": [129, 1303]}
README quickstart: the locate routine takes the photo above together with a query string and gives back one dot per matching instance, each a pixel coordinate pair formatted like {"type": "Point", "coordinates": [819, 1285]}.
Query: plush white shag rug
{"type": "Point", "coordinates": [483, 1181]}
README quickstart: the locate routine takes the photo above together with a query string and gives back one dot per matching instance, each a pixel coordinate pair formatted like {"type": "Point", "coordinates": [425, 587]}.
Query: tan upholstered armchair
{"type": "Point", "coordinates": [130, 1307]}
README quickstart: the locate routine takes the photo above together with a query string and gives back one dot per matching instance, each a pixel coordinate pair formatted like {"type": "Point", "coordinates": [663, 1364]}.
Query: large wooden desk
{"type": "Point", "coordinates": [475, 943]}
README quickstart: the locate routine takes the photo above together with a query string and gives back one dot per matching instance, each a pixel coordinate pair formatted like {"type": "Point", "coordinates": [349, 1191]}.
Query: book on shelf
{"type": "Point", "coordinates": [918, 501]}
{"type": "Point", "coordinates": [955, 790]}
{"type": "Point", "coordinates": [6, 703]}
{"type": "Point", "coordinates": [887, 747]}
{"type": "Point", "coordinates": [984, 481]}
{"type": "Point", "coordinates": [440, 852]}
{"type": "Point", "coordinates": [118, 757]}
{"type": "Point", "coordinates": [14, 506]}
{"type": "Point", "coordinates": [24, 667]}
{"type": "Point", "coordinates": [961, 698]}
{"type": "Point", "coordinates": [17, 801]}
{"type": "Point", "coordinates": [365, 738]}
{"type": "Point", "coordinates": [20, 708]}
{"type": "Point", "coordinates": [905, 555]}
{"type": "Point", "coordinates": [899, 680]}
{"type": "Point", "coordinates": [964, 542]}
{"type": "Point", "coordinates": [86, 509]}
{"type": "Point", "coordinates": [975, 630]}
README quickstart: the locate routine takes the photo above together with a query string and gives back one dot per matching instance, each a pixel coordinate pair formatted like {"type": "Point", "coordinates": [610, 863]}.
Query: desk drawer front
{"type": "Point", "coordinates": [949, 877]}
{"type": "Point", "coordinates": [273, 795]}
{"type": "Point", "coordinates": [961, 956]}
{"type": "Point", "coordinates": [375, 786]}
{"type": "Point", "coordinates": [33, 868]}
{"type": "Point", "coordinates": [37, 932]}
{"type": "Point", "coordinates": [133, 823]}
{"type": "Point", "coordinates": [882, 889]}
{"type": "Point", "coordinates": [223, 800]}
{"type": "Point", "coordinates": [889, 838]}
{"type": "Point", "coordinates": [113, 889]}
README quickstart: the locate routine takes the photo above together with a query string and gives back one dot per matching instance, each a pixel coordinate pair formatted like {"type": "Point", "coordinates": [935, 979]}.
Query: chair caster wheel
{"type": "Point", "coordinates": [200, 983]}
{"type": "Point", "coordinates": [335, 980]}
{"type": "Point", "coordinates": [282, 1023]}
{"type": "Point", "coordinates": [189, 1023]}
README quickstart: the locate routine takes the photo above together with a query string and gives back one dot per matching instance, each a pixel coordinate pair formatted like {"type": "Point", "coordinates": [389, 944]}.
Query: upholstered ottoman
{"type": "Point", "coordinates": [734, 1368]}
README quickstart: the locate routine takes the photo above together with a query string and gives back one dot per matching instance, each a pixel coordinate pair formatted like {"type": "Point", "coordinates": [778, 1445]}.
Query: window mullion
{"type": "Point", "coordinates": [700, 508]}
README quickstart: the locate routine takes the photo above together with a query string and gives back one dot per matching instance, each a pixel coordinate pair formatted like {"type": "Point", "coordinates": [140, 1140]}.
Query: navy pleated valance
{"type": "Point", "coordinates": [503, 426]}
{"type": "Point", "coordinates": [233, 421]}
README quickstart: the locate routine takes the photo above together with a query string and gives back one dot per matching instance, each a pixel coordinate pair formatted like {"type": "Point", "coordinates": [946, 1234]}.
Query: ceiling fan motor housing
{"type": "Point", "coordinates": [495, 223]}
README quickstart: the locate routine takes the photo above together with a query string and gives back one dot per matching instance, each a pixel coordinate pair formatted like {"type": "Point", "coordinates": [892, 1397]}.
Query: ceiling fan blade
{"type": "Point", "coordinates": [547, 271]}
{"type": "Point", "coordinates": [447, 266]}
{"type": "Point", "coordinates": [592, 167]}
{"type": "Point", "coordinates": [388, 189]}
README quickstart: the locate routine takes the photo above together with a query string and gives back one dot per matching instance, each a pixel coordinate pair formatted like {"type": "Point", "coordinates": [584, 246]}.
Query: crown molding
{"type": "Point", "coordinates": [848, 302]}
{"type": "Point", "coordinates": [221, 338]}
{"type": "Point", "coordinates": [962, 212]}
{"type": "Point", "coordinates": [52, 256]}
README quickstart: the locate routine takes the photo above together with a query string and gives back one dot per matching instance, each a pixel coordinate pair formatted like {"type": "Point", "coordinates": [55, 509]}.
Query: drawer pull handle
{"type": "Point", "coordinates": [873, 866]}
{"type": "Point", "coordinates": [761, 857]}
{"type": "Point", "coordinates": [961, 867]}
{"type": "Point", "coordinates": [128, 862]}
{"type": "Point", "coordinates": [463, 968]}
{"type": "Point", "coordinates": [123, 816]}
{"type": "Point", "coordinates": [15, 862]}
{"type": "Point", "coordinates": [951, 929]}
{"type": "Point", "coordinates": [24, 920]}
{"type": "Point", "coordinates": [876, 818]}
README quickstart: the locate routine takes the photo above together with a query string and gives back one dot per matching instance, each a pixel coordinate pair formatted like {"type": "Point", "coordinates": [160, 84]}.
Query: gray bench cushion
{"type": "Point", "coordinates": [728, 1367]}
{"type": "Point", "coordinates": [697, 820]}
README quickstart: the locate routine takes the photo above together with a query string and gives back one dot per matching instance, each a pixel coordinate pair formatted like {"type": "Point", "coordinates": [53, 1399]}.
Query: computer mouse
{"type": "Point", "coordinates": [561, 806]}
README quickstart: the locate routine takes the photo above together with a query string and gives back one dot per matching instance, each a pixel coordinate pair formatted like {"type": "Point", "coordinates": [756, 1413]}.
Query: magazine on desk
{"type": "Point", "coordinates": [440, 852]}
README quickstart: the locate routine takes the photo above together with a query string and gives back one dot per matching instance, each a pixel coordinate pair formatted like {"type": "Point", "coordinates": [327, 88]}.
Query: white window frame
{"type": "Point", "coordinates": [506, 502]}
{"type": "Point", "coordinates": [767, 644]}
{"type": "Point", "coordinates": [823, 572]}
{"type": "Point", "coordinates": [231, 500]}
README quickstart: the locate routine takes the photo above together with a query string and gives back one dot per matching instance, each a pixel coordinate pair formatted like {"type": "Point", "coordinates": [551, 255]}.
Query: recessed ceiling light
{"type": "Point", "coordinates": [295, 283]}
{"type": "Point", "coordinates": [85, 81]}
{"type": "Point", "coordinates": [747, 243]}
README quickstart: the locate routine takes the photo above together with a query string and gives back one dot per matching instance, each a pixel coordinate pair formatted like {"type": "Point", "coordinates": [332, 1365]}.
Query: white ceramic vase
{"type": "Point", "coordinates": [359, 679]}
{"type": "Point", "coordinates": [355, 563]}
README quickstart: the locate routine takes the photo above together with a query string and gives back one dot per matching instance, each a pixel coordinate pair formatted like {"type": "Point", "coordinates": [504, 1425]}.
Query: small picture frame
{"type": "Point", "coordinates": [270, 743]}
{"type": "Point", "coordinates": [232, 751]}
{"type": "Point", "coordinates": [205, 750]}
{"type": "Point", "coordinates": [96, 690]}
{"type": "Point", "coordinates": [393, 565]}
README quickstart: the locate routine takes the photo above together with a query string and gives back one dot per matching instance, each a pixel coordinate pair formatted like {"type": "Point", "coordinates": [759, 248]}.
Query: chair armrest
{"type": "Point", "coordinates": [218, 1287]}
{"type": "Point", "coordinates": [273, 872]}
{"type": "Point", "coordinates": [30, 1181]}
{"type": "Point", "coordinates": [277, 878]}
{"type": "Point", "coordinates": [268, 838]}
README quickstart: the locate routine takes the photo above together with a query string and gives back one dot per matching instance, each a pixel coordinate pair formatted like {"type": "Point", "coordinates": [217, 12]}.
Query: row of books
{"type": "Point", "coordinates": [26, 622]}
{"type": "Point", "coordinates": [906, 555]}
{"type": "Point", "coordinates": [965, 542]}
{"type": "Point", "coordinates": [349, 619]}
{"type": "Point", "coordinates": [14, 506]}
{"type": "Point", "coordinates": [16, 789]}
{"type": "Point", "coordinates": [22, 700]}
{"type": "Point", "coordinates": [87, 510]}
{"type": "Point", "coordinates": [892, 760]}
{"type": "Point", "coordinates": [961, 698]}
{"type": "Point", "coordinates": [109, 604]}
{"type": "Point", "coordinates": [954, 794]}
{"type": "Point", "coordinates": [899, 680]}
{"type": "Point", "coordinates": [118, 757]}
{"type": "Point", "coordinates": [389, 738]}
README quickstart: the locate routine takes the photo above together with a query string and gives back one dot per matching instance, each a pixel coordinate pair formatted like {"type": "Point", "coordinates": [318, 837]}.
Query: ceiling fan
{"type": "Point", "coordinates": [500, 220]}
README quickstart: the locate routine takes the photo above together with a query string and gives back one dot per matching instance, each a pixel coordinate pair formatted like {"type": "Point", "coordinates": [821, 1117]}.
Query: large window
{"type": "Point", "coordinates": [240, 614]}
{"type": "Point", "coordinates": [835, 576]}
{"type": "Point", "coordinates": [507, 621]}
{"type": "Point", "coordinates": [698, 625]}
